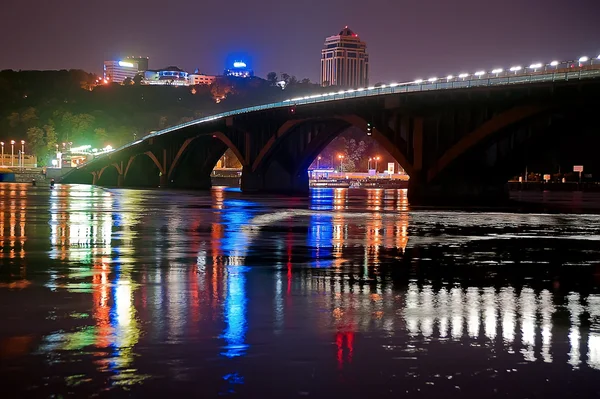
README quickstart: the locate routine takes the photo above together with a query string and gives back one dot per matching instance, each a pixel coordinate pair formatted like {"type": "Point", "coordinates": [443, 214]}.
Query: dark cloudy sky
{"type": "Point", "coordinates": [406, 38]}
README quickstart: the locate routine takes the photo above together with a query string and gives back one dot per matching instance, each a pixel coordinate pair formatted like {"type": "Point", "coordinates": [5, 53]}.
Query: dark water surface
{"type": "Point", "coordinates": [346, 294]}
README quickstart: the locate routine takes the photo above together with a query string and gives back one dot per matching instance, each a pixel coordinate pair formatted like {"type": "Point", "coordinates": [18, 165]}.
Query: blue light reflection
{"type": "Point", "coordinates": [236, 324]}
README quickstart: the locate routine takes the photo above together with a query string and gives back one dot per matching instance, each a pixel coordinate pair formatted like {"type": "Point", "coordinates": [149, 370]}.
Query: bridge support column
{"type": "Point", "coordinates": [455, 191]}
{"type": "Point", "coordinates": [275, 181]}
{"type": "Point", "coordinates": [120, 180]}
{"type": "Point", "coordinates": [251, 182]}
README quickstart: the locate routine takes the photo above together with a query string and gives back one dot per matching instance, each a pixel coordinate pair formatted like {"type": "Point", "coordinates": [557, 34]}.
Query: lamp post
{"type": "Point", "coordinates": [22, 154]}
{"type": "Point", "coordinates": [2, 142]}
{"type": "Point", "coordinates": [12, 153]}
{"type": "Point", "coordinates": [369, 164]}
{"type": "Point", "coordinates": [341, 157]}
{"type": "Point", "coordinates": [377, 163]}
{"type": "Point", "coordinates": [318, 162]}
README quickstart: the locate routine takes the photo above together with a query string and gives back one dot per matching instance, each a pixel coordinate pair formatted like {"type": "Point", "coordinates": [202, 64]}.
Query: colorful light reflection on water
{"type": "Point", "coordinates": [344, 293]}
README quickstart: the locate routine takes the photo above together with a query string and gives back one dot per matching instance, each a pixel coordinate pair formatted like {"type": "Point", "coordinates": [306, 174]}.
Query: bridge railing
{"type": "Point", "coordinates": [441, 84]}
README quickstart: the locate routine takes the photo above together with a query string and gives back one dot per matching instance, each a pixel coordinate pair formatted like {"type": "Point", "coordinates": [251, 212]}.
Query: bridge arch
{"type": "Point", "coordinates": [143, 170]}
{"type": "Point", "coordinates": [283, 162]}
{"type": "Point", "coordinates": [197, 157]}
{"type": "Point", "coordinates": [513, 116]}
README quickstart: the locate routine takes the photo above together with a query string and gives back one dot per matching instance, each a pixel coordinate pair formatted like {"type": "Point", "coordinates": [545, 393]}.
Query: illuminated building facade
{"type": "Point", "coordinates": [344, 60]}
{"type": "Point", "coordinates": [118, 71]}
{"type": "Point", "coordinates": [142, 62]}
{"type": "Point", "coordinates": [171, 76]}
{"type": "Point", "coordinates": [239, 70]}
{"type": "Point", "coordinates": [200, 79]}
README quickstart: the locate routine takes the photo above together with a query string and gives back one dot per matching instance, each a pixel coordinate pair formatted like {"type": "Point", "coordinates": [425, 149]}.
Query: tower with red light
{"type": "Point", "coordinates": [344, 61]}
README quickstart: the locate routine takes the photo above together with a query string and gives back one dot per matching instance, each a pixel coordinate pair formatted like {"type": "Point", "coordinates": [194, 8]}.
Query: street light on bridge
{"type": "Point", "coordinates": [516, 69]}
{"type": "Point", "coordinates": [12, 153]}
{"type": "Point", "coordinates": [535, 66]}
{"type": "Point", "coordinates": [463, 76]}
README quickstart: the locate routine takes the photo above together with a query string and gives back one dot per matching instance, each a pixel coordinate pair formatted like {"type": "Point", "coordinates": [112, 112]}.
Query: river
{"type": "Point", "coordinates": [349, 293]}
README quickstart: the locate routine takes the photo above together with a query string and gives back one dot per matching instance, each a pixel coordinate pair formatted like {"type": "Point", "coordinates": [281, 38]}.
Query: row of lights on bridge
{"type": "Point", "coordinates": [479, 74]}
{"type": "Point", "coordinates": [516, 69]}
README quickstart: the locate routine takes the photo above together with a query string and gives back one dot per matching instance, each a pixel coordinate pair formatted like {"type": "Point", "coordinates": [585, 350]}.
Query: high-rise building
{"type": "Point", "coordinates": [118, 71]}
{"type": "Point", "coordinates": [344, 60]}
{"type": "Point", "coordinates": [142, 62]}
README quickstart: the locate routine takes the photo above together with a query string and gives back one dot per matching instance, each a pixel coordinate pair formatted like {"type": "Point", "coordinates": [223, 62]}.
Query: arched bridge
{"type": "Point", "coordinates": [458, 138]}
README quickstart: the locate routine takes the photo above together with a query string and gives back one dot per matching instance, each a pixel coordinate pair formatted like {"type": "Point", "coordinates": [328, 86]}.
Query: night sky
{"type": "Point", "coordinates": [406, 39]}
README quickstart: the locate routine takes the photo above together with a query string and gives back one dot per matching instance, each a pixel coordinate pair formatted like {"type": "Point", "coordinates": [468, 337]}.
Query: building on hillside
{"type": "Point", "coordinates": [239, 70]}
{"type": "Point", "coordinates": [344, 60]}
{"type": "Point", "coordinates": [118, 71]}
{"type": "Point", "coordinates": [171, 76]}
{"type": "Point", "coordinates": [197, 78]}
{"type": "Point", "coordinates": [142, 62]}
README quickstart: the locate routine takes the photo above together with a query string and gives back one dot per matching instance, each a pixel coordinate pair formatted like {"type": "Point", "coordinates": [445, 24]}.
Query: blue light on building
{"type": "Point", "coordinates": [239, 70]}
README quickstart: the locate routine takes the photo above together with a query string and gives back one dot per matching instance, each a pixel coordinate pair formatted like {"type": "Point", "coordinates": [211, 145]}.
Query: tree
{"type": "Point", "coordinates": [162, 122]}
{"type": "Point", "coordinates": [221, 88]}
{"type": "Point", "coordinates": [100, 134]}
{"type": "Point", "coordinates": [305, 81]}
{"type": "Point", "coordinates": [137, 79]}
{"type": "Point", "coordinates": [272, 78]}
{"type": "Point", "coordinates": [41, 142]}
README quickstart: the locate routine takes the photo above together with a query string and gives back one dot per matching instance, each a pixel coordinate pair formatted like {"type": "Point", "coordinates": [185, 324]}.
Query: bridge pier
{"type": "Point", "coordinates": [276, 180]}
{"type": "Point", "coordinates": [120, 180]}
{"type": "Point", "coordinates": [163, 180]}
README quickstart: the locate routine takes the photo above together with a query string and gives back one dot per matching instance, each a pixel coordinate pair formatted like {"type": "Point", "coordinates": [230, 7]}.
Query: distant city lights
{"type": "Point", "coordinates": [125, 64]}
{"type": "Point", "coordinates": [239, 64]}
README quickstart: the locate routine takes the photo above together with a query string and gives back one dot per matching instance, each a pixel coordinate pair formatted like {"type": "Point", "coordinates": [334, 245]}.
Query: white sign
{"type": "Point", "coordinates": [578, 168]}
{"type": "Point", "coordinates": [391, 168]}
{"type": "Point", "coordinates": [547, 177]}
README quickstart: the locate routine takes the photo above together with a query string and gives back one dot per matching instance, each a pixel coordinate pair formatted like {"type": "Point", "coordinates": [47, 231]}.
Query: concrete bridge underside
{"type": "Point", "coordinates": [456, 145]}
